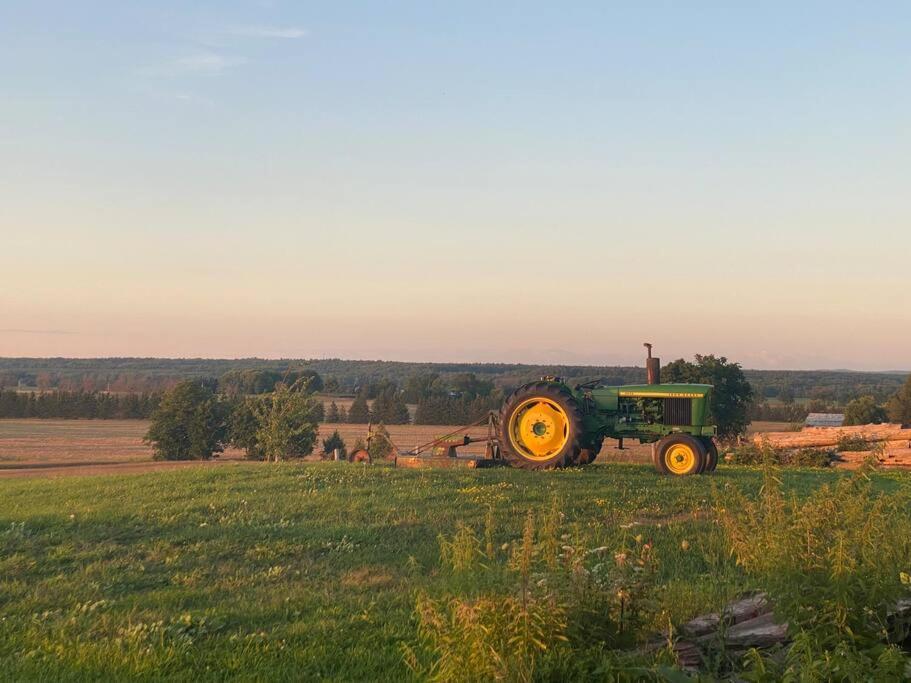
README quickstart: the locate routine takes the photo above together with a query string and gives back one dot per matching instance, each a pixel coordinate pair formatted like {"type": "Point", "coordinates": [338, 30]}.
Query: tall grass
{"type": "Point", "coordinates": [833, 566]}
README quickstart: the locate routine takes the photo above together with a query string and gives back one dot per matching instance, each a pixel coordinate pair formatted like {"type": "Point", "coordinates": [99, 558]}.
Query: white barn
{"type": "Point", "coordinates": [825, 420]}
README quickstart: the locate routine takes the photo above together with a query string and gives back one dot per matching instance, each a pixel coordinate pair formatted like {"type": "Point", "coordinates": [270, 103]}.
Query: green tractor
{"type": "Point", "coordinates": [547, 424]}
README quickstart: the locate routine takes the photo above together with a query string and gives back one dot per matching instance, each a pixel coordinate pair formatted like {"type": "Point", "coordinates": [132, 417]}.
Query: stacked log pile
{"type": "Point", "coordinates": [742, 625]}
{"type": "Point", "coordinates": [889, 443]}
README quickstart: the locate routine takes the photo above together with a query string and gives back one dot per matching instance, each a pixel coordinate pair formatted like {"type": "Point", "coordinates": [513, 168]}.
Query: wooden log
{"type": "Point", "coordinates": [761, 632]}
{"type": "Point", "coordinates": [892, 457]}
{"type": "Point", "coordinates": [819, 437]}
{"type": "Point", "coordinates": [744, 609]}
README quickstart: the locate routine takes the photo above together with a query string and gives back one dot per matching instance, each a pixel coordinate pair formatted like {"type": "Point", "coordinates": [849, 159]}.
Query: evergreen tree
{"type": "Point", "coordinates": [332, 414]}
{"type": "Point", "coordinates": [342, 414]}
{"type": "Point", "coordinates": [359, 412]}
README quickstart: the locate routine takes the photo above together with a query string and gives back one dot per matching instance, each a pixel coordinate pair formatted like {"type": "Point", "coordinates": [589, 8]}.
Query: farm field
{"type": "Point", "coordinates": [313, 570]}
{"type": "Point", "coordinates": [34, 447]}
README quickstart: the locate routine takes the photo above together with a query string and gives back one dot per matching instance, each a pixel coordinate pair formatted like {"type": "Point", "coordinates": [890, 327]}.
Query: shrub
{"type": "Point", "coordinates": [853, 442]}
{"type": "Point", "coordinates": [335, 441]}
{"type": "Point", "coordinates": [380, 444]}
{"type": "Point", "coordinates": [756, 454]}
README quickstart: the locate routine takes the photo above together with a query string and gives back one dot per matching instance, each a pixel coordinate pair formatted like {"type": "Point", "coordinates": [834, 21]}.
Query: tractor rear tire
{"type": "Point", "coordinates": [541, 427]}
{"type": "Point", "coordinates": [680, 455]}
{"type": "Point", "coordinates": [711, 453]}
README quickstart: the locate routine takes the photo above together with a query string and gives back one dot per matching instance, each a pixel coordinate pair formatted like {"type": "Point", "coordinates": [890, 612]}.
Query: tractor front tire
{"type": "Point", "coordinates": [680, 455]}
{"type": "Point", "coordinates": [541, 427]}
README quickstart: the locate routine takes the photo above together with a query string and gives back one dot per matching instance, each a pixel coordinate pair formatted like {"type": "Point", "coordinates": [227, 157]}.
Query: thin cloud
{"type": "Point", "coordinates": [288, 32]}
{"type": "Point", "coordinates": [16, 330]}
{"type": "Point", "coordinates": [195, 64]}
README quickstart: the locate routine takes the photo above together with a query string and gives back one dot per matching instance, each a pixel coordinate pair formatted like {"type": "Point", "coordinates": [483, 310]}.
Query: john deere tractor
{"type": "Point", "coordinates": [548, 424]}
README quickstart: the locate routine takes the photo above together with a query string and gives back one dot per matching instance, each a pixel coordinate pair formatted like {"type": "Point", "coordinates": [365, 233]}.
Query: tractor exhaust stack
{"type": "Point", "coordinates": [652, 366]}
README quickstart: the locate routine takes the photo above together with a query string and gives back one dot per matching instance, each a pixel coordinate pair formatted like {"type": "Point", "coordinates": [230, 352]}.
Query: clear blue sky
{"type": "Point", "coordinates": [481, 181]}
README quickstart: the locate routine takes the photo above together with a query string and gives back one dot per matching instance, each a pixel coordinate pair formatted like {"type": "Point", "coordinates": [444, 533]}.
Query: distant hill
{"type": "Point", "coordinates": [149, 374]}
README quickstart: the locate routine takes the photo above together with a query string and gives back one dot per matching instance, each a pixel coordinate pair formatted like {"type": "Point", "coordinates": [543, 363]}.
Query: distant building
{"type": "Point", "coordinates": [825, 420]}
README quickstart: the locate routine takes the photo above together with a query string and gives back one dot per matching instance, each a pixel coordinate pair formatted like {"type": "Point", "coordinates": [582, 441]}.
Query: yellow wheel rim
{"type": "Point", "coordinates": [680, 458]}
{"type": "Point", "coordinates": [538, 428]}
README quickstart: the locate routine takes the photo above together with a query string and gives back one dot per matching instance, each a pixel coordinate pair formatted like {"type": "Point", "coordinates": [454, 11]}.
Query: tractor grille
{"type": "Point", "coordinates": [678, 411]}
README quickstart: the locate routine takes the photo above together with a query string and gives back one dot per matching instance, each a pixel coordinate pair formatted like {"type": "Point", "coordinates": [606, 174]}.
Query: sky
{"type": "Point", "coordinates": [473, 181]}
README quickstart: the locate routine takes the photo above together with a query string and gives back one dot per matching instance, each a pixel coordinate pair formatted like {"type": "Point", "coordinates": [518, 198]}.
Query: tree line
{"type": "Point", "coordinates": [77, 404]}
{"type": "Point", "coordinates": [146, 375]}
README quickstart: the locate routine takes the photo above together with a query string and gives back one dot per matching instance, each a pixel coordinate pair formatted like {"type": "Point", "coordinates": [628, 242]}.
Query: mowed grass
{"type": "Point", "coordinates": [303, 571]}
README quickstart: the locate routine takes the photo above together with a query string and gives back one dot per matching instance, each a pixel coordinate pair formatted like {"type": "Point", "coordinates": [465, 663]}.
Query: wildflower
{"type": "Point", "coordinates": [684, 545]}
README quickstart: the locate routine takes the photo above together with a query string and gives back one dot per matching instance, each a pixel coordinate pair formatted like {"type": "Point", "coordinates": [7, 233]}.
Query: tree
{"type": "Point", "coordinates": [342, 414]}
{"type": "Point", "coordinates": [419, 386]}
{"type": "Point", "coordinates": [332, 415]}
{"type": "Point", "coordinates": [287, 423]}
{"type": "Point", "coordinates": [863, 411]}
{"type": "Point", "coordinates": [786, 395]}
{"type": "Point", "coordinates": [359, 412]}
{"type": "Point", "coordinates": [389, 407]}
{"type": "Point", "coordinates": [899, 406]}
{"type": "Point", "coordinates": [190, 423]}
{"type": "Point", "coordinates": [732, 394]}
{"type": "Point", "coordinates": [243, 426]}
{"type": "Point", "coordinates": [330, 386]}
{"type": "Point", "coordinates": [335, 441]}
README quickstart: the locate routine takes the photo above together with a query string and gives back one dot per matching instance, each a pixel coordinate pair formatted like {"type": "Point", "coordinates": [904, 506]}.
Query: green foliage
{"type": "Point", "coordinates": [832, 565]}
{"type": "Point", "coordinates": [359, 412]}
{"type": "Point", "coordinates": [755, 454]}
{"type": "Point", "coordinates": [863, 411]}
{"type": "Point", "coordinates": [263, 381]}
{"type": "Point", "coordinates": [335, 441]}
{"type": "Point", "coordinates": [853, 442]}
{"type": "Point", "coordinates": [288, 420]}
{"type": "Point", "coordinates": [332, 415]}
{"type": "Point", "coordinates": [899, 406]}
{"type": "Point", "coordinates": [731, 397]}
{"type": "Point", "coordinates": [190, 423]}
{"type": "Point", "coordinates": [562, 598]}
{"type": "Point", "coordinates": [243, 426]}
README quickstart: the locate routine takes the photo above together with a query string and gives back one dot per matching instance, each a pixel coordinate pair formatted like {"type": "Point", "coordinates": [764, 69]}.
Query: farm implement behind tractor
{"type": "Point", "coordinates": [548, 424]}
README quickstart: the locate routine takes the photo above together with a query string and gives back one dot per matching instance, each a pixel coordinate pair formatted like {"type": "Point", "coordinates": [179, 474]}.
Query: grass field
{"type": "Point", "coordinates": [305, 571]}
